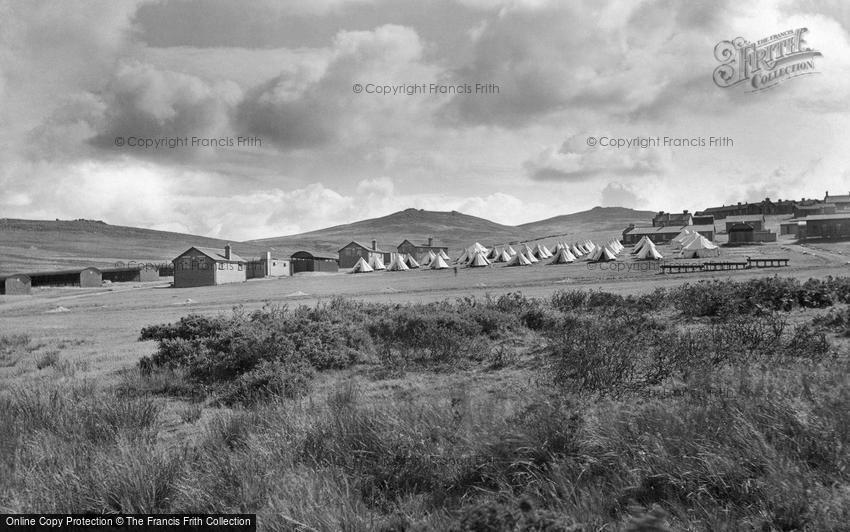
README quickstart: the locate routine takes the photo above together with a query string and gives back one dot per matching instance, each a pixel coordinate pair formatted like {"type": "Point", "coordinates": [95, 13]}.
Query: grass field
{"type": "Point", "coordinates": [497, 399]}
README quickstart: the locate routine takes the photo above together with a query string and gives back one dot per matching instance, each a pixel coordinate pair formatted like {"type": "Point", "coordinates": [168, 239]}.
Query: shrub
{"type": "Point", "coordinates": [568, 300]}
{"type": "Point", "coordinates": [428, 333]}
{"type": "Point", "coordinates": [514, 303]}
{"type": "Point", "coordinates": [268, 380]}
{"type": "Point", "coordinates": [47, 359]}
{"type": "Point", "coordinates": [188, 328]}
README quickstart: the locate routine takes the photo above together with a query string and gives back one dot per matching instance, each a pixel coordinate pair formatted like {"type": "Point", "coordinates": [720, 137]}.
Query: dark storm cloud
{"type": "Point", "coordinates": [142, 101]}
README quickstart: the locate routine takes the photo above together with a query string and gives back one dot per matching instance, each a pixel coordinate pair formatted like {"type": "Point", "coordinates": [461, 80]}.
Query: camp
{"type": "Point", "coordinates": [519, 260]}
{"type": "Point", "coordinates": [640, 245]}
{"type": "Point", "coordinates": [602, 254]}
{"type": "Point", "coordinates": [649, 252]}
{"type": "Point", "coordinates": [376, 262]}
{"type": "Point", "coordinates": [397, 264]}
{"type": "Point", "coordinates": [411, 262]}
{"type": "Point", "coordinates": [478, 261]}
{"type": "Point", "coordinates": [362, 267]}
{"type": "Point", "coordinates": [438, 264]}
{"type": "Point", "coordinates": [542, 252]}
{"type": "Point", "coordinates": [504, 256]}
{"type": "Point", "coordinates": [699, 247]}
{"type": "Point", "coordinates": [428, 259]}
{"type": "Point", "coordinates": [563, 257]}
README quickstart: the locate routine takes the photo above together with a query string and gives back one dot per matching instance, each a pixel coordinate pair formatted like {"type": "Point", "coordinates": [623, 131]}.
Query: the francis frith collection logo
{"type": "Point", "coordinates": [765, 63]}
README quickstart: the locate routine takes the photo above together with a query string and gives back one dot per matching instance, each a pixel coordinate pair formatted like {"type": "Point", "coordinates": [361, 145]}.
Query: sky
{"type": "Point", "coordinates": [88, 89]}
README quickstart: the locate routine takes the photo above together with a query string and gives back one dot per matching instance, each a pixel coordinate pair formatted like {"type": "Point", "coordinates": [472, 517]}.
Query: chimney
{"type": "Point", "coordinates": [268, 265]}
{"type": "Point", "coordinates": [374, 244]}
{"type": "Point", "coordinates": [685, 211]}
{"type": "Point", "coordinates": [430, 241]}
{"type": "Point", "coordinates": [227, 251]}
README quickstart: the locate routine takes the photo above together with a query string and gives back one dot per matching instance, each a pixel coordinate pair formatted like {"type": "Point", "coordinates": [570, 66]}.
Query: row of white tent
{"type": "Point", "coordinates": [400, 262]}
{"type": "Point", "coordinates": [689, 243]}
{"type": "Point", "coordinates": [478, 255]}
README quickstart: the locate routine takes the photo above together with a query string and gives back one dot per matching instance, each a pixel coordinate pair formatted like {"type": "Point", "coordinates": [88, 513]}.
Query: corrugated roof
{"type": "Point", "coordinates": [815, 206]}
{"type": "Point", "coordinates": [362, 246]}
{"type": "Point", "coordinates": [316, 254]}
{"type": "Point", "coordinates": [215, 254]}
{"type": "Point", "coordinates": [648, 230]}
{"type": "Point", "coordinates": [8, 275]}
{"type": "Point", "coordinates": [701, 227]}
{"type": "Point", "coordinates": [76, 271]}
{"type": "Point", "coordinates": [673, 229]}
{"type": "Point", "coordinates": [745, 218]}
{"type": "Point", "coordinates": [814, 217]}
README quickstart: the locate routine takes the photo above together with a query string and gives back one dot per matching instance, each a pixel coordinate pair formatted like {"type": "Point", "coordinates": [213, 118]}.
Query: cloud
{"type": "Point", "coordinates": [554, 57]}
{"type": "Point", "coordinates": [295, 111]}
{"type": "Point", "coordinates": [145, 102]}
{"type": "Point", "coordinates": [619, 195]}
{"type": "Point", "coordinates": [575, 161]}
{"type": "Point", "coordinates": [380, 187]}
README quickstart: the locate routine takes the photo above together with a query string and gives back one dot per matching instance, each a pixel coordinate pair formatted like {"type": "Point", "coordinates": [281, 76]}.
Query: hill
{"type": "Point", "coordinates": [453, 229]}
{"type": "Point", "coordinates": [30, 245]}
{"type": "Point", "coordinates": [598, 220]}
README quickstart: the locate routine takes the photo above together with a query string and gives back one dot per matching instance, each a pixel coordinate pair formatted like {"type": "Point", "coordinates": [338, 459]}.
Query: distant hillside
{"type": "Point", "coordinates": [596, 220]}
{"type": "Point", "coordinates": [28, 245]}
{"type": "Point", "coordinates": [453, 229]}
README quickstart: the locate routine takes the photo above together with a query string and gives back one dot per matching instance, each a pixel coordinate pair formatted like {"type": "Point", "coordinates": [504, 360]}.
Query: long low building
{"type": "Point", "coordinates": [312, 261]}
{"type": "Point", "coordinates": [82, 277]}
{"type": "Point", "coordinates": [127, 274]}
{"type": "Point", "coordinates": [663, 235]}
{"type": "Point", "coordinates": [16, 284]}
{"type": "Point", "coordinates": [826, 226]}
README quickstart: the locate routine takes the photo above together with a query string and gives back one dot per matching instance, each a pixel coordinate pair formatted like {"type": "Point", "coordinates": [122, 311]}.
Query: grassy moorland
{"type": "Point", "coordinates": [717, 405]}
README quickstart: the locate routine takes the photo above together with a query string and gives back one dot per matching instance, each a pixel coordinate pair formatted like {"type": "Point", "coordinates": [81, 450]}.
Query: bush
{"type": "Point", "coordinates": [428, 333]}
{"type": "Point", "coordinates": [268, 380]}
{"type": "Point", "coordinates": [568, 300]}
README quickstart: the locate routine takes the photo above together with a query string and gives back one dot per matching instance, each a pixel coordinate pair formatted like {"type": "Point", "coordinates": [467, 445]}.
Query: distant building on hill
{"type": "Point", "coordinates": [666, 219]}
{"type": "Point", "coordinates": [764, 207]}
{"type": "Point", "coordinates": [418, 251]}
{"type": "Point", "coordinates": [201, 266]}
{"type": "Point", "coordinates": [702, 219]}
{"type": "Point", "coordinates": [842, 202]}
{"type": "Point", "coordinates": [801, 211]}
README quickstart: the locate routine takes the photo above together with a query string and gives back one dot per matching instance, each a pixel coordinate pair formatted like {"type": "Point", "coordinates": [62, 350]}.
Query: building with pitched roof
{"type": "Point", "coordinates": [202, 266]}
{"type": "Point", "coordinates": [353, 251]}
{"type": "Point", "coordinates": [418, 251]}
